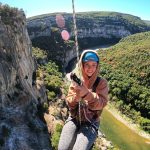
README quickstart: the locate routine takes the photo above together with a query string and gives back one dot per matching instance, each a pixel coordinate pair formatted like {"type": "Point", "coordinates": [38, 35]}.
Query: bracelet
{"type": "Point", "coordinates": [85, 95]}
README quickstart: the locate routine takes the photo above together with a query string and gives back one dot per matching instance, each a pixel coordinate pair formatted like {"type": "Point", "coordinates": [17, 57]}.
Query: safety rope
{"type": "Point", "coordinates": [75, 31]}
{"type": "Point", "coordinates": [77, 50]}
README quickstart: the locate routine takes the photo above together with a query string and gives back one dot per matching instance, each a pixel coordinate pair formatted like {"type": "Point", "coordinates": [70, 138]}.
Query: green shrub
{"type": "Point", "coordinates": [56, 136]}
{"type": "Point", "coordinates": [52, 79]}
{"type": "Point", "coordinates": [51, 95]}
{"type": "Point", "coordinates": [145, 124]}
{"type": "Point", "coordinates": [39, 53]}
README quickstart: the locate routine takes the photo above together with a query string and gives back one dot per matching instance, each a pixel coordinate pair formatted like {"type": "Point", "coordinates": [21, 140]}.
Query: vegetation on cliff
{"type": "Point", "coordinates": [50, 73]}
{"type": "Point", "coordinates": [127, 68]}
{"type": "Point", "coordinates": [55, 47]}
{"type": "Point", "coordinates": [11, 16]}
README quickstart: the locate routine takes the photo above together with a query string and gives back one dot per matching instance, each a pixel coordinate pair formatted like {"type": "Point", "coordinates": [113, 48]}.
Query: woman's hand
{"type": "Point", "coordinates": [81, 90]}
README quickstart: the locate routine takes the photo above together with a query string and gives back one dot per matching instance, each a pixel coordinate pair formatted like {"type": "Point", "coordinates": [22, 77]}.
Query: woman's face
{"type": "Point", "coordinates": [89, 67]}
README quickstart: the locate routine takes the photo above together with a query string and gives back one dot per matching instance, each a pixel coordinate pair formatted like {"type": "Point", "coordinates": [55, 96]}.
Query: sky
{"type": "Point", "coordinates": [140, 8]}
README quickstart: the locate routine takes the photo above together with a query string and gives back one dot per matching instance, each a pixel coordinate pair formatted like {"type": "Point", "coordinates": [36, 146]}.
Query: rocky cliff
{"type": "Point", "coordinates": [94, 28]}
{"type": "Point", "coordinates": [89, 24]}
{"type": "Point", "coordinates": [21, 127]}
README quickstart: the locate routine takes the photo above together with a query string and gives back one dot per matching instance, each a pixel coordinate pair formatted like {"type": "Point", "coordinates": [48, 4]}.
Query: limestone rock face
{"type": "Point", "coordinates": [21, 128]}
{"type": "Point", "coordinates": [93, 28]}
{"type": "Point", "coordinates": [93, 24]}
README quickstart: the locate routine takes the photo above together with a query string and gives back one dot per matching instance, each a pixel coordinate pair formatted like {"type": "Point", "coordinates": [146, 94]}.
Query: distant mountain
{"type": "Point", "coordinates": [94, 28]}
{"type": "Point", "coordinates": [147, 21]}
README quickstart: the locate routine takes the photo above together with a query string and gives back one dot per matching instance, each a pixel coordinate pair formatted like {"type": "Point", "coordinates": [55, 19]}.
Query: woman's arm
{"type": "Point", "coordinates": [73, 97]}
{"type": "Point", "coordinates": [98, 100]}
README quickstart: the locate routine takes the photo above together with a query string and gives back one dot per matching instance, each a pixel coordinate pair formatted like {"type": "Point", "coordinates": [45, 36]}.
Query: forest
{"type": "Point", "coordinates": [127, 68]}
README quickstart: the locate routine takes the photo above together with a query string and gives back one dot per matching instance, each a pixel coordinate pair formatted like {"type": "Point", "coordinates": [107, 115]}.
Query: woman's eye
{"type": "Point", "coordinates": [94, 65]}
{"type": "Point", "coordinates": [86, 65]}
{"type": "Point", "coordinates": [89, 66]}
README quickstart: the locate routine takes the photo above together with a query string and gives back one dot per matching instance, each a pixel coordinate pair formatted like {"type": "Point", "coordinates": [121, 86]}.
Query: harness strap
{"type": "Point", "coordinates": [96, 84]}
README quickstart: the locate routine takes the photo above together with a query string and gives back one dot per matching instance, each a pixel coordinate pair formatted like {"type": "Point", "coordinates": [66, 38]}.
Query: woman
{"type": "Point", "coordinates": [85, 104]}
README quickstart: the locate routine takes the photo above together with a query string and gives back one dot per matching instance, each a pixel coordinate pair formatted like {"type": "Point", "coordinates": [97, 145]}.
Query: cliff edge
{"type": "Point", "coordinates": [20, 124]}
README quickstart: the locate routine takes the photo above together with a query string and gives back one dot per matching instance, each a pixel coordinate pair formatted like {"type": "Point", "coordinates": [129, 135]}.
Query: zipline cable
{"type": "Point", "coordinates": [77, 50]}
{"type": "Point", "coordinates": [75, 31]}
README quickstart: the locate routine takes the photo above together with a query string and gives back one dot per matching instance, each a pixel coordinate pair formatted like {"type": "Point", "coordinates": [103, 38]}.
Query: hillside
{"type": "Point", "coordinates": [147, 21]}
{"type": "Point", "coordinates": [99, 25]}
{"type": "Point", "coordinates": [94, 28]}
{"type": "Point", "coordinates": [127, 67]}
{"type": "Point", "coordinates": [102, 16]}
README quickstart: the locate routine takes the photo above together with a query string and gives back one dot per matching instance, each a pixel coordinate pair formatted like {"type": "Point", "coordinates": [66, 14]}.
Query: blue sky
{"type": "Point", "coordinates": [139, 8]}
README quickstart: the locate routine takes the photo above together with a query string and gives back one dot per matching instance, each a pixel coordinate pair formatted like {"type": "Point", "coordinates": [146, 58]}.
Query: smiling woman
{"type": "Point", "coordinates": [86, 102]}
{"type": "Point", "coordinates": [90, 67]}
